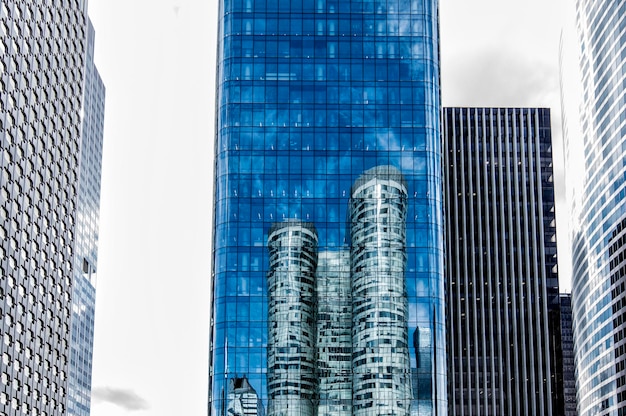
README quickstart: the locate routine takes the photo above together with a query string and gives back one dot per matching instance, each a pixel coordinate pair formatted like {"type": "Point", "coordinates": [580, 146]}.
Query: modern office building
{"type": "Point", "coordinates": [503, 293]}
{"type": "Point", "coordinates": [311, 96]}
{"type": "Point", "coordinates": [567, 346]}
{"type": "Point", "coordinates": [86, 237]}
{"type": "Point", "coordinates": [43, 71]}
{"type": "Point", "coordinates": [597, 161]}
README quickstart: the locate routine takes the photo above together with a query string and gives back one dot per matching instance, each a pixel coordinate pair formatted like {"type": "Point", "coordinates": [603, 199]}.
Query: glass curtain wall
{"type": "Point", "coordinates": [327, 127]}
{"type": "Point", "coordinates": [599, 209]}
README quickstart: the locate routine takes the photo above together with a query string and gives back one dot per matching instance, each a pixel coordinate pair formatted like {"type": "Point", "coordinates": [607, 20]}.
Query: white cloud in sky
{"type": "Point", "coordinates": [123, 398]}
{"type": "Point", "coordinates": [506, 54]}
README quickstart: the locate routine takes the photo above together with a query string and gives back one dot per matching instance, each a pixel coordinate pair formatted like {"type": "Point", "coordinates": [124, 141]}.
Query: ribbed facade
{"type": "Point", "coordinates": [503, 294]}
{"type": "Point", "coordinates": [599, 207]}
{"type": "Point", "coordinates": [380, 344]}
{"type": "Point", "coordinates": [334, 333]}
{"type": "Point", "coordinates": [291, 353]}
{"type": "Point", "coordinates": [43, 47]}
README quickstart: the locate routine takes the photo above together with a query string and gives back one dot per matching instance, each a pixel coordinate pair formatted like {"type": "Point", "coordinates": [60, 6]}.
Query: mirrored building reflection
{"type": "Point", "coordinates": [242, 399]}
{"type": "Point", "coordinates": [291, 350]}
{"type": "Point", "coordinates": [421, 382]}
{"type": "Point", "coordinates": [360, 294]}
{"type": "Point", "coordinates": [380, 342]}
{"type": "Point", "coordinates": [334, 333]}
{"type": "Point", "coordinates": [310, 96]}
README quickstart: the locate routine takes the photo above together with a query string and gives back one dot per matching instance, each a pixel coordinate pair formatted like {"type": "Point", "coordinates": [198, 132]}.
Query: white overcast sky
{"type": "Point", "coordinates": [156, 58]}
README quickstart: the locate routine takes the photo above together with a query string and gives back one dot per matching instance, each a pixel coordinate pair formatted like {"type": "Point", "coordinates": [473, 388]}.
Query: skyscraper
{"type": "Point", "coordinates": [597, 162]}
{"type": "Point", "coordinates": [43, 71]}
{"type": "Point", "coordinates": [503, 293]}
{"type": "Point", "coordinates": [567, 346]}
{"type": "Point", "coordinates": [311, 96]}
{"type": "Point", "coordinates": [86, 237]}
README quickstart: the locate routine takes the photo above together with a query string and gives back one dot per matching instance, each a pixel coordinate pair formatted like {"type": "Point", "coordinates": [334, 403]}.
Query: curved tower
{"type": "Point", "coordinates": [381, 383]}
{"type": "Point", "coordinates": [600, 206]}
{"type": "Point", "coordinates": [291, 351]}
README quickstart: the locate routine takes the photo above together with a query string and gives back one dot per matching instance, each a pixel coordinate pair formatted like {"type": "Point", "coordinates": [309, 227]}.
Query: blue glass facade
{"type": "Point", "coordinates": [597, 167]}
{"type": "Point", "coordinates": [311, 95]}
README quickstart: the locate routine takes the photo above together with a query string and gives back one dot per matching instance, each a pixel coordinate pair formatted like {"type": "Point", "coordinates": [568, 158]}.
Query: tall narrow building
{"type": "Point", "coordinates": [334, 333]}
{"type": "Point", "coordinates": [86, 237]}
{"type": "Point", "coordinates": [45, 64]}
{"type": "Point", "coordinates": [503, 293]}
{"type": "Point", "coordinates": [381, 376]}
{"type": "Point", "coordinates": [291, 344]}
{"type": "Point", "coordinates": [597, 168]}
{"type": "Point", "coordinates": [567, 346]}
{"type": "Point", "coordinates": [310, 96]}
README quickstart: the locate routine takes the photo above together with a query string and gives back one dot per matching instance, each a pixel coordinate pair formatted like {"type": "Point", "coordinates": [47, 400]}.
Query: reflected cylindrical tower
{"type": "Point", "coordinates": [380, 359]}
{"type": "Point", "coordinates": [291, 351]}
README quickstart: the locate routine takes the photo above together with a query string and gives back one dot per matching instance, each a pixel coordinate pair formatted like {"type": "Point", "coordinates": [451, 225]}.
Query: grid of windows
{"type": "Point", "coordinates": [312, 94]}
{"type": "Point", "coordinates": [42, 63]}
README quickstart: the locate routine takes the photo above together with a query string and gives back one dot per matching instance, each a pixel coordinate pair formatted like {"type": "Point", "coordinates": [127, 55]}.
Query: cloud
{"type": "Point", "coordinates": [498, 78]}
{"type": "Point", "coordinates": [498, 75]}
{"type": "Point", "coordinates": [124, 398]}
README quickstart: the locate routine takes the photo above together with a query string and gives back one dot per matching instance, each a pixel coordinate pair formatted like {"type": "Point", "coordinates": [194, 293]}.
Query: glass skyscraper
{"type": "Point", "coordinates": [504, 336]}
{"type": "Point", "coordinates": [86, 237]}
{"type": "Point", "coordinates": [328, 242]}
{"type": "Point", "coordinates": [598, 162]}
{"type": "Point", "coordinates": [49, 182]}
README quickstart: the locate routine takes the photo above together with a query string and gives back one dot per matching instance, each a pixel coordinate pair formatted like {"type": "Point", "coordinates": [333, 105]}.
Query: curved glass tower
{"type": "Point", "coordinates": [600, 206]}
{"type": "Point", "coordinates": [380, 341]}
{"type": "Point", "coordinates": [310, 95]}
{"type": "Point", "coordinates": [291, 375]}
